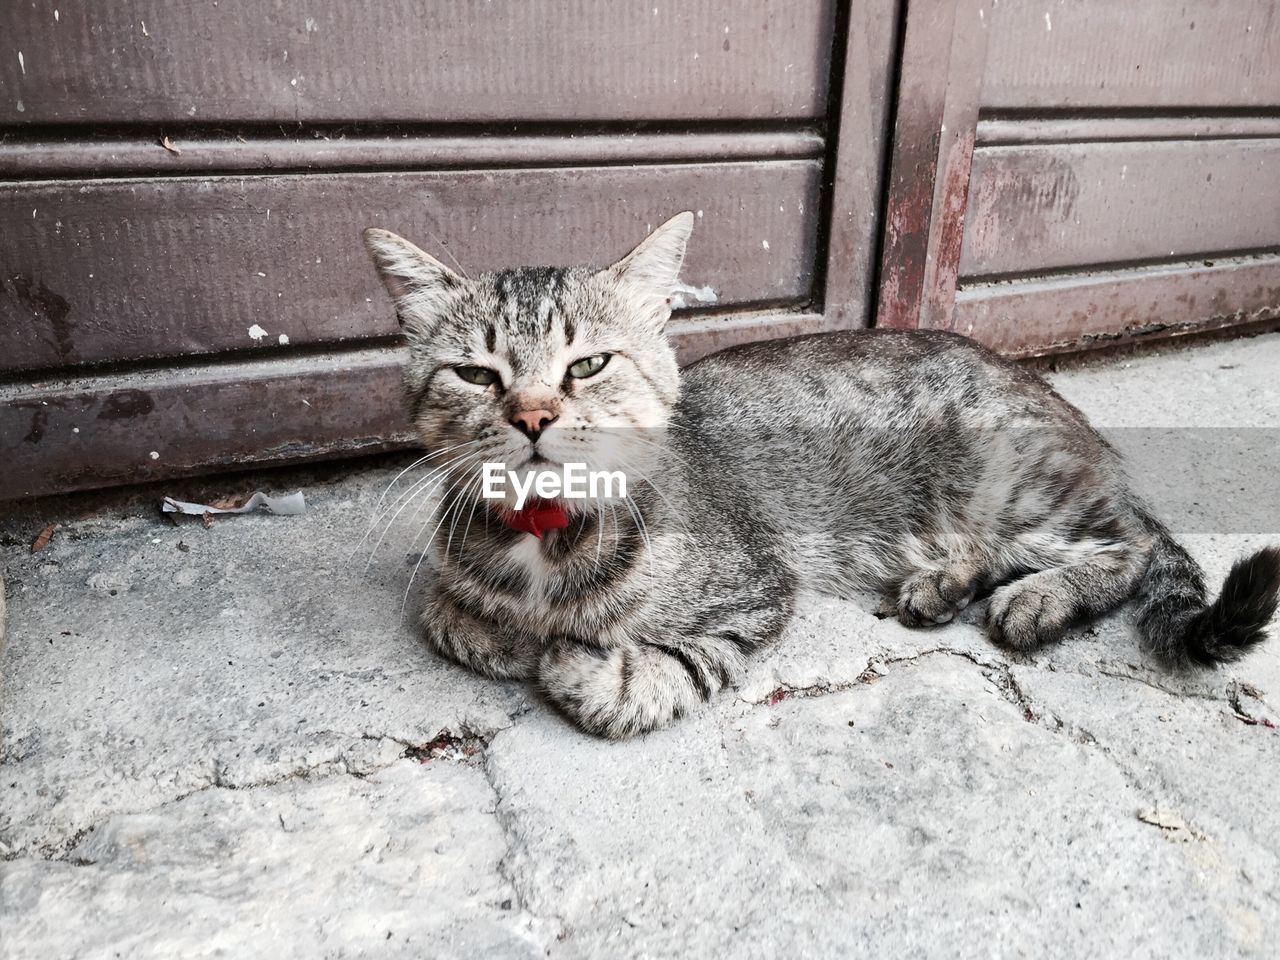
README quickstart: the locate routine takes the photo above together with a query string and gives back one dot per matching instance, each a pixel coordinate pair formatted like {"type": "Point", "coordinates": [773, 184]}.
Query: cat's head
{"type": "Point", "coordinates": [537, 367]}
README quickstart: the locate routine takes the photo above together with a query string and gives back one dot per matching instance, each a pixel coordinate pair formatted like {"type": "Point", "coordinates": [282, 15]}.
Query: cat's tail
{"type": "Point", "coordinates": [1178, 624]}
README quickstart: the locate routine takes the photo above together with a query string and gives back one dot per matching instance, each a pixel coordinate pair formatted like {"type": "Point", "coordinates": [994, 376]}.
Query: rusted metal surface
{"type": "Point", "coordinates": [34, 158]}
{"type": "Point", "coordinates": [1061, 230]}
{"type": "Point", "coordinates": [955, 142]}
{"type": "Point", "coordinates": [107, 431]}
{"type": "Point", "coordinates": [155, 61]}
{"type": "Point", "coordinates": [102, 431]}
{"type": "Point", "coordinates": [1103, 308]}
{"type": "Point", "coordinates": [913, 168]}
{"type": "Point", "coordinates": [158, 219]}
{"type": "Point", "coordinates": [1046, 207]}
{"type": "Point", "coordinates": [941, 70]}
{"type": "Point", "coordinates": [1005, 132]}
{"type": "Point", "coordinates": [128, 269]}
{"type": "Point", "coordinates": [857, 174]}
{"type": "Point", "coordinates": [1109, 54]}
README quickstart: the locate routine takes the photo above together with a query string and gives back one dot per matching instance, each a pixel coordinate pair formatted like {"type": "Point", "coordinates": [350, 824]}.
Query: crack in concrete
{"type": "Point", "coordinates": [1149, 793]}
{"type": "Point", "coordinates": [445, 747]}
{"type": "Point", "coordinates": [1145, 681]}
{"type": "Point", "coordinates": [787, 691]}
{"type": "Point", "coordinates": [507, 821]}
{"type": "Point", "coordinates": [470, 744]}
{"type": "Point", "coordinates": [1006, 682]}
{"type": "Point", "coordinates": [875, 669]}
{"type": "Point", "coordinates": [1235, 691]}
{"type": "Point", "coordinates": [1001, 673]}
{"type": "Point", "coordinates": [467, 747]}
{"type": "Point", "coordinates": [61, 850]}
{"type": "Point", "coordinates": [998, 671]}
{"type": "Point", "coordinates": [1146, 791]}
{"type": "Point", "coordinates": [869, 675]}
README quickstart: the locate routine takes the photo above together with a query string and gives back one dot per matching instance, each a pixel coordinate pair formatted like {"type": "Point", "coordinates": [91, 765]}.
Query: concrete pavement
{"type": "Point", "coordinates": [230, 742]}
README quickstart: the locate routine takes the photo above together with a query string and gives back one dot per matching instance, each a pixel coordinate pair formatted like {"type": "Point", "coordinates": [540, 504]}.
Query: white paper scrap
{"type": "Point", "coordinates": [290, 506]}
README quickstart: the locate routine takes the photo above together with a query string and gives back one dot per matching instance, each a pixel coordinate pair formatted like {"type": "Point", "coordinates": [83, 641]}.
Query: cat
{"type": "Point", "coordinates": [916, 464]}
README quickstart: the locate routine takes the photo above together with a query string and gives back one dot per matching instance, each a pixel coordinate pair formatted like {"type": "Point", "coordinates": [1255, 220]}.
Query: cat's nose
{"type": "Point", "coordinates": [532, 422]}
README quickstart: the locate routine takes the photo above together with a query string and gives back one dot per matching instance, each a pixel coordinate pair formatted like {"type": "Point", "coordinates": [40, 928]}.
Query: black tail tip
{"type": "Point", "coordinates": [1237, 621]}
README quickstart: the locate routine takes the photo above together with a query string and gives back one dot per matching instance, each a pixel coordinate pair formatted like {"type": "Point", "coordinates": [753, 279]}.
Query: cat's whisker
{"type": "Point", "coordinates": [402, 503]}
{"type": "Point", "coordinates": [462, 547]}
{"type": "Point", "coordinates": [404, 601]}
{"type": "Point", "coordinates": [396, 479]}
{"type": "Point", "coordinates": [421, 556]}
{"type": "Point", "coordinates": [430, 455]}
{"type": "Point", "coordinates": [444, 476]}
{"type": "Point", "coordinates": [644, 531]}
{"type": "Point", "coordinates": [636, 438]}
{"type": "Point", "coordinates": [464, 497]}
{"type": "Point", "coordinates": [675, 514]}
{"type": "Point", "coordinates": [445, 247]}
{"type": "Point", "coordinates": [373, 524]}
{"type": "Point", "coordinates": [581, 530]}
{"type": "Point", "coordinates": [599, 532]}
{"type": "Point", "coordinates": [430, 540]}
{"type": "Point", "coordinates": [613, 512]}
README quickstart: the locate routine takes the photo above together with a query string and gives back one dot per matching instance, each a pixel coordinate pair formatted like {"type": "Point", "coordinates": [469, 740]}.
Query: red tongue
{"type": "Point", "coordinates": [536, 517]}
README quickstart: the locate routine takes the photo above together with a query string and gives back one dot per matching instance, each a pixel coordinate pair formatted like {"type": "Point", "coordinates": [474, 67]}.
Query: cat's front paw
{"type": "Point", "coordinates": [495, 654]}
{"type": "Point", "coordinates": [1029, 612]}
{"type": "Point", "coordinates": [618, 691]}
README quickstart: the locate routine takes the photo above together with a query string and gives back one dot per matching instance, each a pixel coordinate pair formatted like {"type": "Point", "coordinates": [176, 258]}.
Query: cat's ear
{"type": "Point", "coordinates": [654, 266]}
{"type": "Point", "coordinates": [417, 281]}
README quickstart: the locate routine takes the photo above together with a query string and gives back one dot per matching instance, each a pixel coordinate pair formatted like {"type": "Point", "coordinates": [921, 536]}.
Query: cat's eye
{"type": "Point", "coordinates": [588, 366]}
{"type": "Point", "coordinates": [480, 376]}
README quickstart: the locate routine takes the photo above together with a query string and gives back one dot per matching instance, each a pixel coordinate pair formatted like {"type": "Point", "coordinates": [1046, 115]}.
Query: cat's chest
{"type": "Point", "coordinates": [559, 596]}
{"type": "Point", "coordinates": [528, 559]}
{"type": "Point", "coordinates": [552, 587]}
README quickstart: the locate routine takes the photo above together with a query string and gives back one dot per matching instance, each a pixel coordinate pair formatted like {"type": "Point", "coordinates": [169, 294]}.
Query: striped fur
{"type": "Point", "coordinates": [916, 464]}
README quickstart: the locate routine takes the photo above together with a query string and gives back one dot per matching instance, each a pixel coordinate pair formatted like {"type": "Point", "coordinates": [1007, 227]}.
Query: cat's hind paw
{"type": "Point", "coordinates": [1030, 612]}
{"type": "Point", "coordinates": [931, 597]}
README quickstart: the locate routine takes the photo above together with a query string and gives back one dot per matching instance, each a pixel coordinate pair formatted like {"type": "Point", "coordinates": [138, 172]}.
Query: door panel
{"type": "Point", "coordinates": [259, 61]}
{"type": "Point", "coordinates": [32, 157]}
{"type": "Point", "coordinates": [178, 267]}
{"type": "Point", "coordinates": [1051, 206]}
{"type": "Point", "coordinates": [1134, 53]}
{"type": "Point", "coordinates": [182, 185]}
{"type": "Point", "coordinates": [1080, 173]}
{"type": "Point", "coordinates": [133, 427]}
{"type": "Point", "coordinates": [1100, 307]}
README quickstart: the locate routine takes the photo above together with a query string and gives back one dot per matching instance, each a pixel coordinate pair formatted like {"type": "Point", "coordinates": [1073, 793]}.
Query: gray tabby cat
{"type": "Point", "coordinates": [919, 465]}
